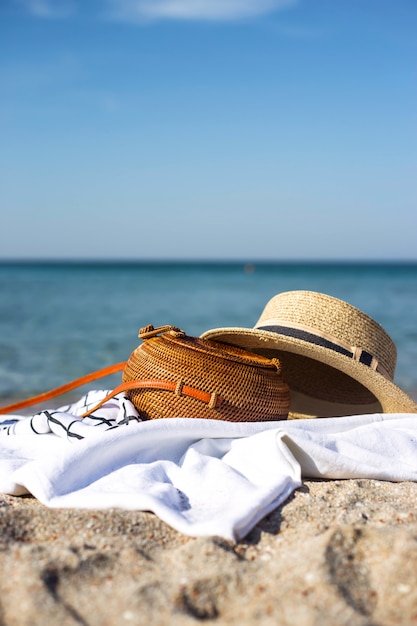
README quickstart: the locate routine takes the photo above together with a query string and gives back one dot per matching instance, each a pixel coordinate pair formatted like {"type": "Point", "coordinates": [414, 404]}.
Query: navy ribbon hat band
{"type": "Point", "coordinates": [358, 354]}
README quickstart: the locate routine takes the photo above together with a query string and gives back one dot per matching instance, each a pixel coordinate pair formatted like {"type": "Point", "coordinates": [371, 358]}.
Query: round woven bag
{"type": "Point", "coordinates": [174, 375]}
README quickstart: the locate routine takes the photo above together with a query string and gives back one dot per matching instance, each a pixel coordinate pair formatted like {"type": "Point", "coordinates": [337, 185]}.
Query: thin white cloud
{"type": "Point", "coordinates": [215, 10]}
{"type": "Point", "coordinates": [48, 9]}
{"type": "Point", "coordinates": [150, 10]}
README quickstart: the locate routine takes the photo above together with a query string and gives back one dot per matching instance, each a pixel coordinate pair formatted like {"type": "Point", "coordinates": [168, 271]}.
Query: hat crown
{"type": "Point", "coordinates": [333, 319]}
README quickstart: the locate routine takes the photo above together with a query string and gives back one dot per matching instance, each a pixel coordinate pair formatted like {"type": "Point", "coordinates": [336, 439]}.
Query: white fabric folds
{"type": "Point", "coordinates": [202, 477]}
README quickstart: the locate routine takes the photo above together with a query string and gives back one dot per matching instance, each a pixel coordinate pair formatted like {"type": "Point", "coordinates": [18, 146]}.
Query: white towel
{"type": "Point", "coordinates": [202, 477]}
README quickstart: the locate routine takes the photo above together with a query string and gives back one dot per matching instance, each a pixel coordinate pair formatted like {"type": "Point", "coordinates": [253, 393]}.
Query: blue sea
{"type": "Point", "coordinates": [61, 320]}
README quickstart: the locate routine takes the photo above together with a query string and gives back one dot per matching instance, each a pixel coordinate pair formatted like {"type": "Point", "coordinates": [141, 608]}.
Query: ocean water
{"type": "Point", "coordinates": [59, 321]}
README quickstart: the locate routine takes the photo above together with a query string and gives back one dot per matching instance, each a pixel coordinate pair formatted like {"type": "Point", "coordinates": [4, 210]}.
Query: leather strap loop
{"type": "Point", "coordinates": [147, 332]}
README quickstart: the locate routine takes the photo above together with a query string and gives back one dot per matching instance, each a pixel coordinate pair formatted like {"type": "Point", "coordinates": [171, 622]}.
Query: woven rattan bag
{"type": "Point", "coordinates": [171, 374]}
{"type": "Point", "coordinates": [187, 376]}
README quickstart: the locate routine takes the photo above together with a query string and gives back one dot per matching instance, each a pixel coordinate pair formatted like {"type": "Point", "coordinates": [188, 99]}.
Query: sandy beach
{"type": "Point", "coordinates": [337, 552]}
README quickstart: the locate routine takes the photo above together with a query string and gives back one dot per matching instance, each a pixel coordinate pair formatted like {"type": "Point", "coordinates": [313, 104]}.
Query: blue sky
{"type": "Point", "coordinates": [232, 129]}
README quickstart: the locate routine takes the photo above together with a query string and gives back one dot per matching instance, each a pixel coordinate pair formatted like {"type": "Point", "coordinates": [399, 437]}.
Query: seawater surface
{"type": "Point", "coordinates": [60, 320]}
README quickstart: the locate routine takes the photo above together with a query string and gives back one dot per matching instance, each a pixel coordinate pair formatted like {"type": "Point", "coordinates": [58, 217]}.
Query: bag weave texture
{"type": "Point", "coordinates": [208, 379]}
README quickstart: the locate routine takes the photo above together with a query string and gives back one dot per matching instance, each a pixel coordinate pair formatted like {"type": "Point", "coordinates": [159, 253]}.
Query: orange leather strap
{"type": "Point", "coordinates": [42, 397]}
{"type": "Point", "coordinates": [212, 399]}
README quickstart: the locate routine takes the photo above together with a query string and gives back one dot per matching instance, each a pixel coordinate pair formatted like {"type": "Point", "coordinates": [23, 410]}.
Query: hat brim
{"type": "Point", "coordinates": [384, 396]}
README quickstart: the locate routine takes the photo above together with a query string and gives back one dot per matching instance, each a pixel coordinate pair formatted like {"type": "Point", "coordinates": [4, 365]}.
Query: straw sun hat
{"type": "Point", "coordinates": [335, 358]}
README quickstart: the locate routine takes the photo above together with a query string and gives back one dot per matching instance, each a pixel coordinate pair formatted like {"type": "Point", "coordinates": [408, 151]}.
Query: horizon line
{"type": "Point", "coordinates": [205, 260]}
